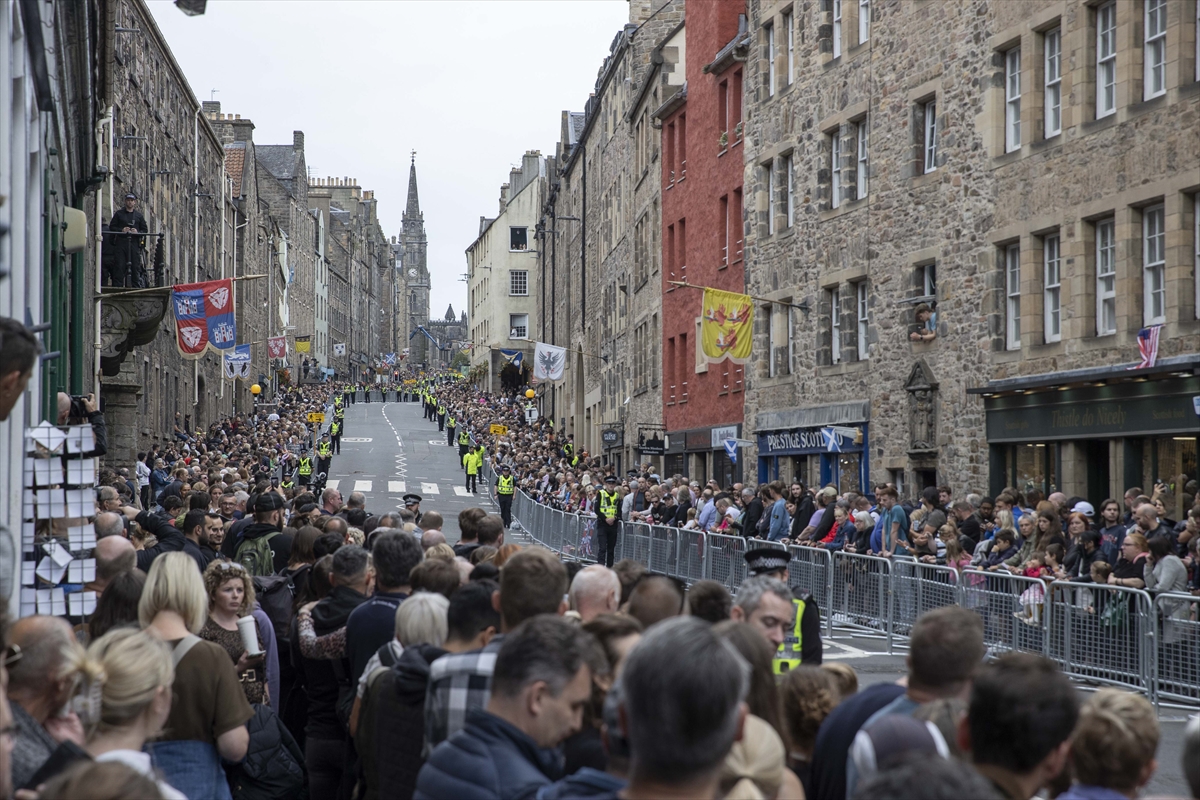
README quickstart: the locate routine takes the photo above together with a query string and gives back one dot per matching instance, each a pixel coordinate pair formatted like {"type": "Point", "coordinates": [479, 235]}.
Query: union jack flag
{"type": "Point", "coordinates": [1147, 340]}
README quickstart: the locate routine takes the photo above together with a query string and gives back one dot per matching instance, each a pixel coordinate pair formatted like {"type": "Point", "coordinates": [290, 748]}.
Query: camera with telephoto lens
{"type": "Point", "coordinates": [79, 407]}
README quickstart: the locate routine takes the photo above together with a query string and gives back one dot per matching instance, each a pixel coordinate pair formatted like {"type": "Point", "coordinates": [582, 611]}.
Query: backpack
{"type": "Point", "coordinates": [276, 595]}
{"type": "Point", "coordinates": [273, 768]}
{"type": "Point", "coordinates": [256, 556]}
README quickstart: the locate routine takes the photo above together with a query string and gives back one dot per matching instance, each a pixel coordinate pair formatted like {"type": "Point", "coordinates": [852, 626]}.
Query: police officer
{"type": "Point", "coordinates": [335, 434]}
{"type": "Point", "coordinates": [126, 225]}
{"type": "Point", "coordinates": [607, 514]}
{"type": "Point", "coordinates": [413, 503]}
{"type": "Point", "coordinates": [450, 426]}
{"type": "Point", "coordinates": [464, 441]}
{"type": "Point", "coordinates": [505, 488]}
{"type": "Point", "coordinates": [441, 416]}
{"type": "Point", "coordinates": [803, 642]}
{"type": "Point", "coordinates": [324, 454]}
{"type": "Point", "coordinates": [339, 417]}
{"type": "Point", "coordinates": [568, 449]}
{"type": "Point", "coordinates": [305, 470]}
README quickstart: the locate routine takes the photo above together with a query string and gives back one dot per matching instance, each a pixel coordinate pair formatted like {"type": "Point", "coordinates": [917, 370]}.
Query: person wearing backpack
{"type": "Point", "coordinates": [264, 548]}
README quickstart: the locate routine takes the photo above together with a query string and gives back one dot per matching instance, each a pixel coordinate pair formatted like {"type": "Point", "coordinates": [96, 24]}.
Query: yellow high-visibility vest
{"type": "Point", "coordinates": [306, 466]}
{"type": "Point", "coordinates": [608, 503]}
{"type": "Point", "coordinates": [788, 656]}
{"type": "Point", "coordinates": [505, 485]}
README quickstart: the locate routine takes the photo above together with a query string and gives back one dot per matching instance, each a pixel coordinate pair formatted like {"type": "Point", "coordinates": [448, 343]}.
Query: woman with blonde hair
{"type": "Point", "coordinates": [505, 553]}
{"type": "Point", "coordinates": [209, 714]}
{"type": "Point", "coordinates": [230, 597]}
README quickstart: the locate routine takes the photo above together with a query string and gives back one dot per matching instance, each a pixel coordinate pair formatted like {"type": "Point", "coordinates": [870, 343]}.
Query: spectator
{"type": "Point", "coordinates": [371, 625]}
{"type": "Point", "coordinates": [468, 541]}
{"type": "Point", "coordinates": [709, 600]}
{"type": "Point", "coordinates": [114, 555]}
{"type": "Point", "coordinates": [845, 679]}
{"type": "Point", "coordinates": [118, 605]}
{"type": "Point", "coordinates": [533, 582]}
{"type": "Point", "coordinates": [682, 693]}
{"type": "Point", "coordinates": [1191, 755]}
{"type": "Point", "coordinates": [595, 590]}
{"type": "Point", "coordinates": [802, 499]}
{"type": "Point", "coordinates": [655, 598]}
{"type": "Point", "coordinates": [1019, 722]}
{"type": "Point", "coordinates": [110, 780]}
{"type": "Point", "coordinates": [40, 684]}
{"type": "Point", "coordinates": [753, 512]}
{"type": "Point", "coordinates": [19, 350]}
{"type": "Point", "coordinates": [541, 683]}
{"type": "Point", "coordinates": [1113, 746]}
{"type": "Point", "coordinates": [807, 695]}
{"type": "Point", "coordinates": [438, 575]}
{"type": "Point", "coordinates": [432, 538]}
{"type": "Point", "coordinates": [388, 722]}
{"type": "Point", "coordinates": [230, 597]}
{"type": "Point", "coordinates": [262, 547]}
{"type": "Point", "coordinates": [1112, 532]}
{"type": "Point", "coordinates": [1164, 571]}
{"type": "Point", "coordinates": [85, 411]}
{"type": "Point", "coordinates": [926, 779]}
{"type": "Point", "coordinates": [209, 713]}
{"type": "Point", "coordinates": [1129, 570]}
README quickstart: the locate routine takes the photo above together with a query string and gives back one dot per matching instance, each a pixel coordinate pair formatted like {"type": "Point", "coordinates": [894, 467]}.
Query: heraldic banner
{"type": "Point", "coordinates": [204, 317]}
{"type": "Point", "coordinates": [237, 363]}
{"type": "Point", "coordinates": [548, 362]}
{"type": "Point", "coordinates": [726, 326]}
{"type": "Point", "coordinates": [277, 347]}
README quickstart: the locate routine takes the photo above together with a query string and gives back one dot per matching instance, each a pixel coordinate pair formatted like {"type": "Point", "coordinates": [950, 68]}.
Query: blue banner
{"type": "Point", "coordinates": [514, 357]}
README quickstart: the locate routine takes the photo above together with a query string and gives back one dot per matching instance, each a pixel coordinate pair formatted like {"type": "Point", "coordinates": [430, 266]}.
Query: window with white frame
{"type": "Point", "coordinates": [931, 134]}
{"type": "Point", "coordinates": [1012, 291]}
{"type": "Point", "coordinates": [1106, 59]}
{"type": "Point", "coordinates": [1155, 57]}
{"type": "Point", "coordinates": [860, 291]}
{"type": "Point", "coordinates": [789, 166]}
{"type": "Point", "coordinates": [769, 33]}
{"type": "Point", "coordinates": [518, 326]}
{"type": "Point", "coordinates": [769, 168]}
{"type": "Point", "coordinates": [1106, 277]}
{"type": "Point", "coordinates": [928, 280]}
{"type": "Point", "coordinates": [790, 35]}
{"type": "Point", "coordinates": [1154, 265]}
{"type": "Point", "coordinates": [835, 163]}
{"type": "Point", "coordinates": [835, 326]}
{"type": "Point", "coordinates": [837, 28]}
{"type": "Point", "coordinates": [1012, 100]}
{"type": "Point", "coordinates": [864, 20]}
{"type": "Point", "coordinates": [518, 282]}
{"type": "Point", "coordinates": [862, 135]}
{"type": "Point", "coordinates": [1052, 288]}
{"type": "Point", "coordinates": [1052, 42]}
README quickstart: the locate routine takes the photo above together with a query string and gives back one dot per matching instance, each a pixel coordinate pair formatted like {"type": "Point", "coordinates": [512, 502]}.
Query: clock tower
{"type": "Point", "coordinates": [414, 274]}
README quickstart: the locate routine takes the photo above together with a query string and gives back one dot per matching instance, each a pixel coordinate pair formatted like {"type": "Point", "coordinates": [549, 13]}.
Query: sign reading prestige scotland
{"type": "Point", "coordinates": [810, 440]}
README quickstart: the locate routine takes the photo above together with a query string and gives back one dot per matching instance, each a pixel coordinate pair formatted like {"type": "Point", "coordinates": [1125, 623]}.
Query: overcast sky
{"type": "Point", "coordinates": [469, 85]}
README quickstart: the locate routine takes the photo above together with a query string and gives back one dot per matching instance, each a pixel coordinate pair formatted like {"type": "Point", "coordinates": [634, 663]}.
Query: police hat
{"type": "Point", "coordinates": [506, 468]}
{"type": "Point", "coordinates": [764, 560]}
{"type": "Point", "coordinates": [412, 499]}
{"type": "Point", "coordinates": [611, 479]}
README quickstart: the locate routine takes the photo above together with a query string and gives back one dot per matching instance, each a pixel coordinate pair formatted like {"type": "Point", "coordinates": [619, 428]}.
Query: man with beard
{"type": "Point", "coordinates": [197, 526]}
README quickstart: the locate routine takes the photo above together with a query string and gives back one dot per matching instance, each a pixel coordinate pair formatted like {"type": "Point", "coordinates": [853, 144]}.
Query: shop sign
{"type": "Point", "coordinates": [611, 438]}
{"type": "Point", "coordinates": [810, 440]}
{"type": "Point", "coordinates": [653, 446]}
{"type": "Point", "coordinates": [719, 435]}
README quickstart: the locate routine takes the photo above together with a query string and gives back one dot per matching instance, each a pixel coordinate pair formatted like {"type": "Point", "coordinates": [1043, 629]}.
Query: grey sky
{"type": "Point", "coordinates": [469, 85]}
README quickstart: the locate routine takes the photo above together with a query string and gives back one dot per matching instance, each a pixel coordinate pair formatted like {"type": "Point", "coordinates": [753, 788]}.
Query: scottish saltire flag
{"type": "Point", "coordinates": [389, 359]}
{"type": "Point", "coordinates": [204, 317]}
{"type": "Point", "coordinates": [1147, 340]}
{"type": "Point", "coordinates": [237, 363]}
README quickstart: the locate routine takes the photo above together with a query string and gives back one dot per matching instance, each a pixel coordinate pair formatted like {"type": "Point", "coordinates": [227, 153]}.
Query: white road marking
{"type": "Point", "coordinates": [461, 491]}
{"type": "Point", "coordinates": [362, 486]}
{"type": "Point", "coordinates": [396, 486]}
{"type": "Point", "coordinates": [349, 440]}
{"type": "Point", "coordinates": [429, 488]}
{"type": "Point", "coordinates": [331, 484]}
{"type": "Point", "coordinates": [436, 442]}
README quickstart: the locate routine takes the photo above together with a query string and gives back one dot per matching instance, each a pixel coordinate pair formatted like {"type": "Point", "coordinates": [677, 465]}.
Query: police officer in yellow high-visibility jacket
{"type": "Point", "coordinates": [324, 454]}
{"type": "Point", "coordinates": [305, 470]}
{"type": "Point", "coordinates": [464, 441]}
{"type": "Point", "coordinates": [802, 639]}
{"type": "Point", "coordinates": [441, 416]}
{"type": "Point", "coordinates": [506, 487]}
{"type": "Point", "coordinates": [335, 435]}
{"type": "Point", "coordinates": [450, 426]}
{"type": "Point", "coordinates": [608, 513]}
{"type": "Point", "coordinates": [473, 461]}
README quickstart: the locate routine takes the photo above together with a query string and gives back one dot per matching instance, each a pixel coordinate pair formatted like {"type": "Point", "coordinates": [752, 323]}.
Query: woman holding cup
{"type": "Point", "coordinates": [230, 625]}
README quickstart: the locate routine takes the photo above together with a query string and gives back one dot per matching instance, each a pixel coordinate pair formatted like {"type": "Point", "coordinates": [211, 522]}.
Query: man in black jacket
{"type": "Point", "coordinates": [753, 513]}
{"type": "Point", "coordinates": [170, 539]}
{"type": "Point", "coordinates": [268, 521]}
{"type": "Point", "coordinates": [127, 223]}
{"type": "Point", "coordinates": [805, 509]}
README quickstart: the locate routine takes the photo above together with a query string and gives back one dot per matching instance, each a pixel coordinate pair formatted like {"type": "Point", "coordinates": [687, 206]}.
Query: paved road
{"type": "Point", "coordinates": [388, 450]}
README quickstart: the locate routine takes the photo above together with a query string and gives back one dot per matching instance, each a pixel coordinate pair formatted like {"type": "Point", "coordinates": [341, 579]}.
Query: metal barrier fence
{"type": "Point", "coordinates": [1096, 633]}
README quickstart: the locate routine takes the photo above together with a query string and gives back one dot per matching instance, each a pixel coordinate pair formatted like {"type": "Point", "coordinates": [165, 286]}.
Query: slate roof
{"type": "Point", "coordinates": [279, 159]}
{"type": "Point", "coordinates": [235, 163]}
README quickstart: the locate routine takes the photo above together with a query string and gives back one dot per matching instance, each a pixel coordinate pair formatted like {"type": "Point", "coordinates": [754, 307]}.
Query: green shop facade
{"type": "Point", "coordinates": [1096, 432]}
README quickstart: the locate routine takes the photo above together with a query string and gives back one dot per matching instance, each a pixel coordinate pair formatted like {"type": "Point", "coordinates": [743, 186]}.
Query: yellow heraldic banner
{"type": "Point", "coordinates": [726, 326]}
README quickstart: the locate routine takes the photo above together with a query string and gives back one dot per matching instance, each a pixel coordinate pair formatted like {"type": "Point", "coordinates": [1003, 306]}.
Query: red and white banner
{"type": "Point", "coordinates": [277, 347]}
{"type": "Point", "coordinates": [204, 317]}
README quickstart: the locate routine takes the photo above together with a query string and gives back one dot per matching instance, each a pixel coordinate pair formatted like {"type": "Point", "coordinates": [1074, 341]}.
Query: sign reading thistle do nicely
{"type": "Point", "coordinates": [204, 317]}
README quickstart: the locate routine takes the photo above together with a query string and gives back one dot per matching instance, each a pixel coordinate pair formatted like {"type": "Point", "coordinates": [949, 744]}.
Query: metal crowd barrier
{"type": "Point", "coordinates": [1096, 633]}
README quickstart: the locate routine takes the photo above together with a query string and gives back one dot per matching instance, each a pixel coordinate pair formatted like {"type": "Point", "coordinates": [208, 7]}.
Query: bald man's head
{"type": "Point", "coordinates": [47, 644]}
{"type": "Point", "coordinates": [432, 521]}
{"type": "Point", "coordinates": [109, 523]}
{"type": "Point", "coordinates": [595, 590]}
{"type": "Point", "coordinates": [432, 539]}
{"type": "Point", "coordinates": [114, 555]}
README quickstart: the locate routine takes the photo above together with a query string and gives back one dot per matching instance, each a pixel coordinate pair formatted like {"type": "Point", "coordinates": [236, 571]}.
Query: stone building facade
{"type": "Point", "coordinates": [1029, 171]}
{"type": "Point", "coordinates": [597, 230]}
{"type": "Point", "coordinates": [453, 334]}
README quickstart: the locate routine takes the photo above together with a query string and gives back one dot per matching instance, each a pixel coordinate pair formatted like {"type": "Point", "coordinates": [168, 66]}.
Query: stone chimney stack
{"type": "Point", "coordinates": [298, 141]}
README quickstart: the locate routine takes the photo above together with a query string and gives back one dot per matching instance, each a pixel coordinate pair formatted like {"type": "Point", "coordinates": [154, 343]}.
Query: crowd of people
{"type": "Point", "coordinates": [255, 638]}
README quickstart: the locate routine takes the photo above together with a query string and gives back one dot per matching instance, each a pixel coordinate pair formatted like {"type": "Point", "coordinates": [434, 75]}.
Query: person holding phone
{"type": "Point", "coordinates": [231, 596]}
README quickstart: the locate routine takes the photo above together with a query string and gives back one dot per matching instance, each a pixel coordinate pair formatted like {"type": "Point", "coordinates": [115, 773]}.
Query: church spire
{"type": "Point", "coordinates": [414, 204]}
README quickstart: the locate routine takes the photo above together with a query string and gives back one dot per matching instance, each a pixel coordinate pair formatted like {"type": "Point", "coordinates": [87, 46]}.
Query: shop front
{"type": "Point", "coordinates": [699, 454]}
{"type": "Point", "coordinates": [819, 446]}
{"type": "Point", "coordinates": [1095, 439]}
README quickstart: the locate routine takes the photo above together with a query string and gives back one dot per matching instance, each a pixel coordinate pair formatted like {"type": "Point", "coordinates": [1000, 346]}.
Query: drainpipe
{"type": "Point", "coordinates": [97, 225]}
{"type": "Point", "coordinates": [224, 196]}
{"type": "Point", "coordinates": [195, 242]}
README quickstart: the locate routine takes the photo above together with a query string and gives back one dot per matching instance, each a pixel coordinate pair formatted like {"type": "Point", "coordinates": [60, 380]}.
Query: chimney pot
{"type": "Point", "coordinates": [237, 116]}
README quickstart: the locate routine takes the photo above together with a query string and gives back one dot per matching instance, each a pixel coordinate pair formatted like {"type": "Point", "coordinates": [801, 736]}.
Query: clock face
{"type": "Point", "coordinates": [412, 273]}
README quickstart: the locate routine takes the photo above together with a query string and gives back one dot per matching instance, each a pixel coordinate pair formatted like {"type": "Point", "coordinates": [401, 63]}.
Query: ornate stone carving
{"type": "Point", "coordinates": [126, 322]}
{"type": "Point", "coordinates": [922, 409]}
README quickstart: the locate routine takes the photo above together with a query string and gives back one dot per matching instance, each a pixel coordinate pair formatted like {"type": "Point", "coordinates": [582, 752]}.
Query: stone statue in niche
{"type": "Point", "coordinates": [922, 408]}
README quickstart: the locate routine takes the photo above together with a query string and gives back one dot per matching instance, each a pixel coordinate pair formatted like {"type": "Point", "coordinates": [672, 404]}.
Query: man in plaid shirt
{"type": "Point", "coordinates": [532, 582]}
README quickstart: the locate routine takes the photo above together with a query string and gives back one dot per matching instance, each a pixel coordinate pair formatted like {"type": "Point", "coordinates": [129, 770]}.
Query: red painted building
{"type": "Point", "coordinates": [702, 238]}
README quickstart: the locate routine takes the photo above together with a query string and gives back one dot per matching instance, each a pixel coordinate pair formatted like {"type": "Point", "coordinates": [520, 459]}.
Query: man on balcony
{"type": "Point", "coordinates": [128, 229]}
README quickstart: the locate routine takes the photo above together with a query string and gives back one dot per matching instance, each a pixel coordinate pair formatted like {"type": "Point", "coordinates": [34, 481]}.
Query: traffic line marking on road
{"type": "Point", "coordinates": [331, 484]}
{"type": "Point", "coordinates": [461, 491]}
{"type": "Point", "coordinates": [430, 488]}
{"type": "Point", "coordinates": [349, 440]}
{"type": "Point", "coordinates": [362, 486]}
{"type": "Point", "coordinates": [396, 486]}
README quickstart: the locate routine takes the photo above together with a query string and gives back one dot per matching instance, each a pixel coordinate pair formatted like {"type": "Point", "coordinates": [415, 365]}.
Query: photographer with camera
{"type": "Point", "coordinates": [84, 410]}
